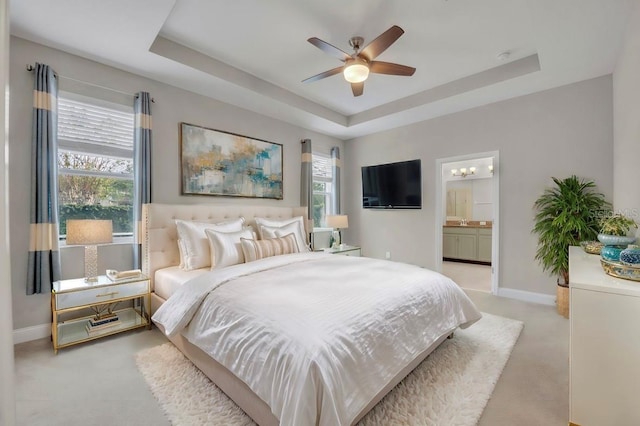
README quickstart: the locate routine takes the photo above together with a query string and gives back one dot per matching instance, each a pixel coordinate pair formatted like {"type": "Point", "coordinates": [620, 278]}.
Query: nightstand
{"type": "Point", "coordinates": [71, 296]}
{"type": "Point", "coordinates": [345, 250]}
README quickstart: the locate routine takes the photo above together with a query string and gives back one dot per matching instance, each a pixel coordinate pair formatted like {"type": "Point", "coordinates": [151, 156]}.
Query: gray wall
{"type": "Point", "coordinates": [626, 107]}
{"type": "Point", "coordinates": [172, 106]}
{"type": "Point", "coordinates": [559, 132]}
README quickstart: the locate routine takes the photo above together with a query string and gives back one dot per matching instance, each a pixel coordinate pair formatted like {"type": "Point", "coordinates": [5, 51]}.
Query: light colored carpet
{"type": "Point", "coordinates": [452, 386]}
{"type": "Point", "coordinates": [469, 275]}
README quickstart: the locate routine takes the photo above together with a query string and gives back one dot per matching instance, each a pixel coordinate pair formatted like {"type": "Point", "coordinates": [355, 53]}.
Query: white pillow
{"type": "Point", "coordinates": [269, 232]}
{"type": "Point", "coordinates": [295, 225]}
{"type": "Point", "coordinates": [195, 246]}
{"type": "Point", "coordinates": [226, 247]}
{"type": "Point", "coordinates": [181, 252]}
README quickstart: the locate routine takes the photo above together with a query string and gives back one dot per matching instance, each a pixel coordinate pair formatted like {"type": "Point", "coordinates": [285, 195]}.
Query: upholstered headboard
{"type": "Point", "coordinates": [159, 234]}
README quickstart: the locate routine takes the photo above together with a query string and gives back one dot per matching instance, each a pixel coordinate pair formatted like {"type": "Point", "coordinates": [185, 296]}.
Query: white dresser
{"type": "Point", "coordinates": [604, 383]}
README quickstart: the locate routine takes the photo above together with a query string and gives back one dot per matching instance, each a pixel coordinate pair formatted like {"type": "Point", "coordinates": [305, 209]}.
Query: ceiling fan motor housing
{"type": "Point", "coordinates": [356, 42]}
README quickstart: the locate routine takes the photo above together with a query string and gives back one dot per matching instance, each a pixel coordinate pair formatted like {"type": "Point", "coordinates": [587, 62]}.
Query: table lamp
{"type": "Point", "coordinates": [89, 232]}
{"type": "Point", "coordinates": [337, 222]}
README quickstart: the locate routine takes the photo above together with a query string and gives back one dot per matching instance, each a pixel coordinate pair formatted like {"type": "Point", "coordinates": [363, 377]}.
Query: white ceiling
{"type": "Point", "coordinates": [254, 53]}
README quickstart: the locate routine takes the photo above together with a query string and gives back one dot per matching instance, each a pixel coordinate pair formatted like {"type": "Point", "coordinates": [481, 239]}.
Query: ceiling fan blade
{"type": "Point", "coordinates": [357, 88]}
{"type": "Point", "coordinates": [379, 67]}
{"type": "Point", "coordinates": [322, 75]}
{"type": "Point", "coordinates": [329, 49]}
{"type": "Point", "coordinates": [381, 43]}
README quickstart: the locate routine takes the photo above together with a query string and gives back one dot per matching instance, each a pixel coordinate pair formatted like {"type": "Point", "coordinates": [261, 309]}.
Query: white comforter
{"type": "Point", "coordinates": [316, 336]}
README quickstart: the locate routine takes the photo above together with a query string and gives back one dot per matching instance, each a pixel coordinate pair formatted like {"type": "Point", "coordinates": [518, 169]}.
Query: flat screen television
{"type": "Point", "coordinates": [392, 186]}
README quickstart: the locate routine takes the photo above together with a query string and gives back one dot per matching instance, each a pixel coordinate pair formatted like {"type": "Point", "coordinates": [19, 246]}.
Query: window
{"type": "Point", "coordinates": [322, 188]}
{"type": "Point", "coordinates": [95, 162]}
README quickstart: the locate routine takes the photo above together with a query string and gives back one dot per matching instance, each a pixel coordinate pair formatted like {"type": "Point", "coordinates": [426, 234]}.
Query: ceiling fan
{"type": "Point", "coordinates": [357, 66]}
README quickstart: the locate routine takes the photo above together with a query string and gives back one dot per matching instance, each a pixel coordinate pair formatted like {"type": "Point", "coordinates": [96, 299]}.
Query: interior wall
{"type": "Point", "coordinates": [626, 108]}
{"type": "Point", "coordinates": [172, 106]}
{"type": "Point", "coordinates": [7, 398]}
{"type": "Point", "coordinates": [564, 131]}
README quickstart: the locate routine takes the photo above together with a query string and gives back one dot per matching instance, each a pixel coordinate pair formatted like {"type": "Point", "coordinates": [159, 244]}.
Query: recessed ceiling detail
{"type": "Point", "coordinates": [254, 54]}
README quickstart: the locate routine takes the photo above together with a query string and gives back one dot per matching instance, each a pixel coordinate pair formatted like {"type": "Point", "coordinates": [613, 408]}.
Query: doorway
{"type": "Point", "coordinates": [467, 220]}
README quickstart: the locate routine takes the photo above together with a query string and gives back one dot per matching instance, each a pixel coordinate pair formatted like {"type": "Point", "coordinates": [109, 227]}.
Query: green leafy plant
{"type": "Point", "coordinates": [566, 215]}
{"type": "Point", "coordinates": [617, 224]}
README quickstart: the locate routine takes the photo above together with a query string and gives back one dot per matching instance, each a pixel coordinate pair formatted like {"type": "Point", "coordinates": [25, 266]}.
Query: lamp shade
{"type": "Point", "coordinates": [340, 221]}
{"type": "Point", "coordinates": [356, 70]}
{"type": "Point", "coordinates": [89, 231]}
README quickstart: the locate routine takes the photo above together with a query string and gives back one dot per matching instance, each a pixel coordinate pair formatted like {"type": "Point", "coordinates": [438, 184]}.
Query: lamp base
{"type": "Point", "coordinates": [337, 238]}
{"type": "Point", "coordinates": [91, 263]}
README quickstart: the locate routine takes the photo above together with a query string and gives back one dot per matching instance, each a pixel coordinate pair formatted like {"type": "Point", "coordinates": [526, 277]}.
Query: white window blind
{"type": "Point", "coordinates": [322, 167]}
{"type": "Point", "coordinates": [322, 188]}
{"type": "Point", "coordinates": [88, 128]}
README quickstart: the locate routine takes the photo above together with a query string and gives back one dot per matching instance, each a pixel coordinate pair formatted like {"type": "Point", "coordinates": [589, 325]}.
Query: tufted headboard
{"type": "Point", "coordinates": [159, 234]}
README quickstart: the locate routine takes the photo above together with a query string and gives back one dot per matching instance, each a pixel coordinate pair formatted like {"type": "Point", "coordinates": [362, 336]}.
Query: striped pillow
{"type": "Point", "coordinates": [259, 249]}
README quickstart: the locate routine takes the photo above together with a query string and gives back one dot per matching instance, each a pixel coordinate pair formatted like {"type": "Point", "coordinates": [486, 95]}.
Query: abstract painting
{"type": "Point", "coordinates": [215, 162]}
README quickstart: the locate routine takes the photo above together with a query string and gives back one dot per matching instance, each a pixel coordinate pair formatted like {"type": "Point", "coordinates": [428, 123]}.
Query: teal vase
{"type": "Point", "coordinates": [611, 253]}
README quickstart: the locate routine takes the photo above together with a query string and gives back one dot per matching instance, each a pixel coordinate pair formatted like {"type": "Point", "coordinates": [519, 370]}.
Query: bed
{"type": "Point", "coordinates": [302, 338]}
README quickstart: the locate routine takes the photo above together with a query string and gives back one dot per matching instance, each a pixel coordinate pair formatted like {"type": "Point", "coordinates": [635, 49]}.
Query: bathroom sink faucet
{"type": "Point", "coordinates": [463, 222]}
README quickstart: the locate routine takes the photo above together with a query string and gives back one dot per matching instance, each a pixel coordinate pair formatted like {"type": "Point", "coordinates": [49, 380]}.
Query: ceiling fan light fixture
{"type": "Point", "coordinates": [356, 70]}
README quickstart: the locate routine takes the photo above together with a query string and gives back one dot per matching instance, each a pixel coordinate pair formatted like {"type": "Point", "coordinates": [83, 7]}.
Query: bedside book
{"type": "Point", "coordinates": [116, 276]}
{"type": "Point", "coordinates": [95, 329]}
{"type": "Point", "coordinates": [96, 322]}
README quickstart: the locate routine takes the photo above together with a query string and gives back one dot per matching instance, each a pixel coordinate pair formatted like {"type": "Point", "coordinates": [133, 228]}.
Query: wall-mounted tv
{"type": "Point", "coordinates": [392, 186]}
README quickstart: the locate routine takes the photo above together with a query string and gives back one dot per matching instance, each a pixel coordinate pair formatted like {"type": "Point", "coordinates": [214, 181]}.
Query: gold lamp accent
{"type": "Point", "coordinates": [89, 233]}
{"type": "Point", "coordinates": [337, 222]}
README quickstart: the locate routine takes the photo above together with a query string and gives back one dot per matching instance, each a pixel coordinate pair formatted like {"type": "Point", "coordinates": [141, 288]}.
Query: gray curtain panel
{"type": "Point", "coordinates": [141, 168]}
{"type": "Point", "coordinates": [306, 178]}
{"type": "Point", "coordinates": [335, 169]}
{"type": "Point", "coordinates": [44, 257]}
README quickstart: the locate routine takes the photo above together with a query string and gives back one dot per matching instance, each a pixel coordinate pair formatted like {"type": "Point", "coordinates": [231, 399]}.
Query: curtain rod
{"type": "Point", "coordinates": [31, 68]}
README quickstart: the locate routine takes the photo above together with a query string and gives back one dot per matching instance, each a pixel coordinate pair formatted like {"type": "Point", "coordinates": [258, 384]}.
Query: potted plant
{"type": "Point", "coordinates": [617, 231]}
{"type": "Point", "coordinates": [618, 225]}
{"type": "Point", "coordinates": [566, 214]}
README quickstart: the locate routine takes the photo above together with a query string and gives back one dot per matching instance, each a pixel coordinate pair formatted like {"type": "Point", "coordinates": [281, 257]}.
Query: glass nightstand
{"type": "Point", "coordinates": [68, 296]}
{"type": "Point", "coordinates": [344, 250]}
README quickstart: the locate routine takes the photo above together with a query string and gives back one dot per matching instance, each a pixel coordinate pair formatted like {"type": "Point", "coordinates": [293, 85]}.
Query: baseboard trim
{"type": "Point", "coordinates": [527, 296]}
{"type": "Point", "coordinates": [34, 332]}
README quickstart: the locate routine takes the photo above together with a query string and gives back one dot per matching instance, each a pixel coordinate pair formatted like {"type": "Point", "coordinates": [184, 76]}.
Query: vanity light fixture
{"type": "Point", "coordinates": [463, 172]}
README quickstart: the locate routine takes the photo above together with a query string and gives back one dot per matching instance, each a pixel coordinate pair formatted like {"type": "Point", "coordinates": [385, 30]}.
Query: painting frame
{"type": "Point", "coordinates": [224, 164]}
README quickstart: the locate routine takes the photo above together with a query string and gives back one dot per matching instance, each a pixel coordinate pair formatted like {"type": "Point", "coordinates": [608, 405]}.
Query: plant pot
{"type": "Point", "coordinates": [615, 240]}
{"type": "Point", "coordinates": [562, 299]}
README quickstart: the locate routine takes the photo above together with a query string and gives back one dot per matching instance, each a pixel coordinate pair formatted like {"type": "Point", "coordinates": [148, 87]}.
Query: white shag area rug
{"type": "Point", "coordinates": [451, 387]}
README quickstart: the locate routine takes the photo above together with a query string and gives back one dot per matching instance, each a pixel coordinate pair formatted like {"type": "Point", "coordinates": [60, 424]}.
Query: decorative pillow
{"type": "Point", "coordinates": [225, 247]}
{"type": "Point", "coordinates": [259, 249]}
{"type": "Point", "coordinates": [294, 226]}
{"type": "Point", "coordinates": [181, 252]}
{"type": "Point", "coordinates": [277, 223]}
{"type": "Point", "coordinates": [195, 246]}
